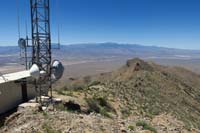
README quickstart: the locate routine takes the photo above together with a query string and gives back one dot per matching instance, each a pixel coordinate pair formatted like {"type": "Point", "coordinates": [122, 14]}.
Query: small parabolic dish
{"type": "Point", "coordinates": [34, 71]}
{"type": "Point", "coordinates": [22, 43]}
{"type": "Point", "coordinates": [57, 70]}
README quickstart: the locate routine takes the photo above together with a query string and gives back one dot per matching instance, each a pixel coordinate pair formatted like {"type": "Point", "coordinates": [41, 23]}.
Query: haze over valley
{"type": "Point", "coordinates": [93, 58]}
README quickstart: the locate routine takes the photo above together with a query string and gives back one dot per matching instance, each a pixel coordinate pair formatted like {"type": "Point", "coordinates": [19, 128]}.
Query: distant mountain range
{"type": "Point", "coordinates": [115, 49]}
{"type": "Point", "coordinates": [105, 50]}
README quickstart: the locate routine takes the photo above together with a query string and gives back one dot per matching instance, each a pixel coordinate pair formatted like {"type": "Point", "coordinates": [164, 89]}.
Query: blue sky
{"type": "Point", "coordinates": [168, 23]}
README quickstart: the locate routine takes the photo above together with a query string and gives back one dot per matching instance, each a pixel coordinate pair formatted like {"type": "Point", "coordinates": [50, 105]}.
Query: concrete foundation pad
{"type": "Point", "coordinates": [32, 101]}
{"type": "Point", "coordinates": [57, 100]}
{"type": "Point", "coordinates": [28, 105]}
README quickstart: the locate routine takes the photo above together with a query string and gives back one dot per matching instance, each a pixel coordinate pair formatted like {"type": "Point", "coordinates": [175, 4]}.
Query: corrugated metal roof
{"type": "Point", "coordinates": [14, 76]}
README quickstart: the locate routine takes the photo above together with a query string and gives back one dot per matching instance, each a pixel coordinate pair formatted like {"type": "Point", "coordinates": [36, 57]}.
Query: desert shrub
{"type": "Point", "coordinates": [64, 88]}
{"type": "Point", "coordinates": [48, 129]}
{"type": "Point", "coordinates": [103, 102]}
{"type": "Point", "coordinates": [60, 92]}
{"type": "Point", "coordinates": [60, 107]}
{"type": "Point", "coordinates": [154, 111]}
{"type": "Point", "coordinates": [45, 114]}
{"type": "Point", "coordinates": [102, 128]}
{"type": "Point", "coordinates": [72, 106]}
{"type": "Point", "coordinates": [125, 112]}
{"type": "Point", "coordinates": [94, 83]}
{"type": "Point", "coordinates": [69, 93]}
{"type": "Point", "coordinates": [99, 105]}
{"type": "Point", "coordinates": [149, 115]}
{"type": "Point", "coordinates": [131, 127]}
{"type": "Point", "coordinates": [1, 123]}
{"type": "Point", "coordinates": [105, 112]}
{"type": "Point", "coordinates": [93, 105]}
{"type": "Point", "coordinates": [78, 87]}
{"type": "Point", "coordinates": [65, 92]}
{"type": "Point", "coordinates": [146, 126]}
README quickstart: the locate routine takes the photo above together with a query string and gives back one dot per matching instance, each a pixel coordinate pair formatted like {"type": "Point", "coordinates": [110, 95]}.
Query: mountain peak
{"type": "Point", "coordinates": [139, 64]}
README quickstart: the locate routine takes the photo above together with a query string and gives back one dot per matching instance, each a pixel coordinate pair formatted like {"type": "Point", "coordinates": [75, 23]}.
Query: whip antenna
{"type": "Point", "coordinates": [26, 28]}
{"type": "Point", "coordinates": [58, 23]}
{"type": "Point", "coordinates": [58, 36]}
{"type": "Point", "coordinates": [18, 19]}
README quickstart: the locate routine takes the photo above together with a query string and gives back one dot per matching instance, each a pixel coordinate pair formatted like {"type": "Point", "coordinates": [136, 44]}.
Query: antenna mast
{"type": "Point", "coordinates": [41, 43]}
{"type": "Point", "coordinates": [49, 71]}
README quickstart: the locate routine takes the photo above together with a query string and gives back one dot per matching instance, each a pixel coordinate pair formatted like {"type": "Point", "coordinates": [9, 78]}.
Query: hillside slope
{"type": "Point", "coordinates": [148, 89]}
{"type": "Point", "coordinates": [139, 97]}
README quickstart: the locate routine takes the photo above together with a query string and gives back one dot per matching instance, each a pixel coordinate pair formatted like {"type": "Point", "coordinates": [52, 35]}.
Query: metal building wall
{"type": "Point", "coordinates": [11, 95]}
